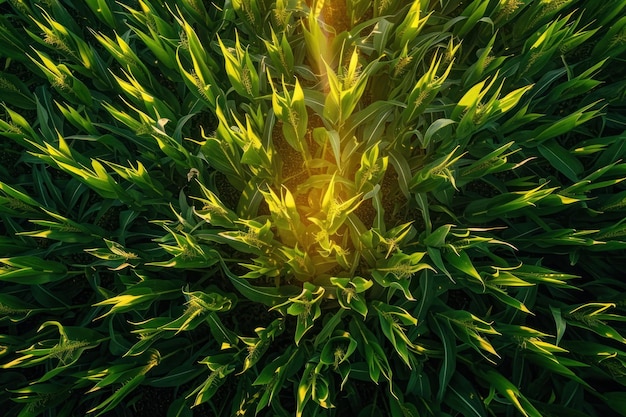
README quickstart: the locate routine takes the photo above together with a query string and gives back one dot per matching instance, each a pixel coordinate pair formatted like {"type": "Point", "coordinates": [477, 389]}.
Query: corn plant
{"type": "Point", "coordinates": [278, 208]}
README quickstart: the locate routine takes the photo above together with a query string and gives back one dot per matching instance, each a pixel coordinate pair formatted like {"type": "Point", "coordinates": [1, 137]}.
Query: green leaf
{"type": "Point", "coordinates": [432, 130]}
{"type": "Point", "coordinates": [179, 408]}
{"type": "Point", "coordinates": [448, 366]}
{"type": "Point", "coordinates": [616, 401]}
{"type": "Point", "coordinates": [470, 328]}
{"type": "Point", "coordinates": [220, 367]}
{"type": "Point", "coordinates": [275, 373]}
{"type": "Point", "coordinates": [437, 238]}
{"type": "Point", "coordinates": [140, 296]}
{"type": "Point", "coordinates": [561, 323]}
{"type": "Point", "coordinates": [31, 270]}
{"type": "Point", "coordinates": [392, 319]}
{"type": "Point", "coordinates": [463, 263]}
{"type": "Point", "coordinates": [463, 397]}
{"type": "Point", "coordinates": [502, 295]}
{"type": "Point", "coordinates": [566, 163]}
{"type": "Point", "coordinates": [270, 296]}
{"type": "Point", "coordinates": [403, 170]}
{"type": "Point", "coordinates": [14, 308]}
{"type": "Point", "coordinates": [12, 192]}
{"type": "Point", "coordinates": [511, 392]}
{"type": "Point", "coordinates": [338, 349]}
{"type": "Point", "coordinates": [368, 346]}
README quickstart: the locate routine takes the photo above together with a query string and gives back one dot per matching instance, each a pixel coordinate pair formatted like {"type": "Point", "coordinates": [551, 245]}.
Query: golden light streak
{"type": "Point", "coordinates": [327, 19]}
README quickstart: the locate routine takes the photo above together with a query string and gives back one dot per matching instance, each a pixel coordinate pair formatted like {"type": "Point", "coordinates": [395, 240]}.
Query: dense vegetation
{"type": "Point", "coordinates": [321, 208]}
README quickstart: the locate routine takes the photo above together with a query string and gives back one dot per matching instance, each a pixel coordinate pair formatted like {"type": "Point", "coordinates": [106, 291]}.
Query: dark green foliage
{"type": "Point", "coordinates": [275, 208]}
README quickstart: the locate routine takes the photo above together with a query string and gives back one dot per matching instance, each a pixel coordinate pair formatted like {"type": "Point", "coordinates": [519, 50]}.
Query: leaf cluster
{"type": "Point", "coordinates": [286, 207]}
